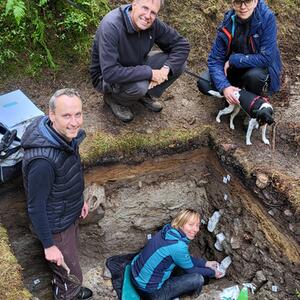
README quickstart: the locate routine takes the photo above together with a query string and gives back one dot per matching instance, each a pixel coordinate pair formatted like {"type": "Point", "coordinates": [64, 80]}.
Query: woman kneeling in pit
{"type": "Point", "coordinates": [151, 269]}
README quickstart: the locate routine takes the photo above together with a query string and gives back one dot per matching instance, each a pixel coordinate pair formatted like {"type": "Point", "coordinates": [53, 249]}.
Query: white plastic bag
{"type": "Point", "coordinates": [213, 221]}
{"type": "Point", "coordinates": [230, 293]}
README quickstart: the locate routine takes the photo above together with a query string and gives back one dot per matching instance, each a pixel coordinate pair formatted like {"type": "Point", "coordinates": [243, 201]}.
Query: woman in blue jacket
{"type": "Point", "coordinates": [152, 268]}
{"type": "Point", "coordinates": [245, 53]}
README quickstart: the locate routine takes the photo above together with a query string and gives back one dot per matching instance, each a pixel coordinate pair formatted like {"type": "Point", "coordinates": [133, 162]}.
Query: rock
{"type": "Point", "coordinates": [95, 197]}
{"type": "Point", "coordinates": [262, 180]}
{"type": "Point", "coordinates": [184, 102]}
{"type": "Point", "coordinates": [106, 273]}
{"type": "Point", "coordinates": [260, 276]}
{"type": "Point", "coordinates": [191, 120]}
{"type": "Point", "coordinates": [271, 212]}
{"type": "Point", "coordinates": [228, 147]}
{"type": "Point", "coordinates": [235, 242]}
{"type": "Point", "coordinates": [149, 130]}
{"type": "Point", "coordinates": [288, 213]}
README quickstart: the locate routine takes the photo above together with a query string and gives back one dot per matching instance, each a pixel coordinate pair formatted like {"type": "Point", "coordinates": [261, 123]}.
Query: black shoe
{"type": "Point", "coordinates": [123, 113]}
{"type": "Point", "coordinates": [151, 103]}
{"type": "Point", "coordinates": [84, 294]}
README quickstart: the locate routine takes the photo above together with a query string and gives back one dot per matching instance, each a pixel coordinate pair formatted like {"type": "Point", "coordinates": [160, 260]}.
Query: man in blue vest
{"type": "Point", "coordinates": [125, 69]}
{"type": "Point", "coordinates": [245, 53]}
{"type": "Point", "coordinates": [54, 184]}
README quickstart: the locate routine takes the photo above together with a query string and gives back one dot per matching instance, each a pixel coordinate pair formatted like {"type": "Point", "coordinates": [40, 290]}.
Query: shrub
{"type": "Point", "coordinates": [36, 33]}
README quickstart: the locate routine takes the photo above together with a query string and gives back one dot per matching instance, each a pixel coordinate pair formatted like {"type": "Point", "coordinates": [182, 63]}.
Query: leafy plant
{"type": "Point", "coordinates": [37, 33]}
{"type": "Point", "coordinates": [17, 7]}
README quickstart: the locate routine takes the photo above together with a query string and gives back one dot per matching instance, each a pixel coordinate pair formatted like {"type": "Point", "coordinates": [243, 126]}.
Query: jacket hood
{"type": "Point", "coordinates": [40, 135]}
{"type": "Point", "coordinates": [171, 234]}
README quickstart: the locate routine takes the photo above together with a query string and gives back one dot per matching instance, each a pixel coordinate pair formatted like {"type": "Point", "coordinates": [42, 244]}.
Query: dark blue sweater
{"type": "Point", "coordinates": [119, 51]}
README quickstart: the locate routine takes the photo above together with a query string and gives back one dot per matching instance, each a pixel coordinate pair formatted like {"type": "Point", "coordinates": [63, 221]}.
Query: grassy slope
{"type": "Point", "coordinates": [11, 286]}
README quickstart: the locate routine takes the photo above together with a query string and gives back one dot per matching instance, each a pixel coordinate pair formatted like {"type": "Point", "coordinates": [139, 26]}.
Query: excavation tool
{"type": "Point", "coordinates": [71, 277]}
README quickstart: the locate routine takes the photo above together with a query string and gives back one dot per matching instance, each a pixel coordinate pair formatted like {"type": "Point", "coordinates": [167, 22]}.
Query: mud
{"type": "Point", "coordinates": [263, 252]}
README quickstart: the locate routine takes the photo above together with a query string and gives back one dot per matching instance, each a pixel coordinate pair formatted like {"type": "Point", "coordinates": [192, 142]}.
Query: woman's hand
{"type": "Point", "coordinates": [229, 94]}
{"type": "Point", "coordinates": [219, 274]}
{"type": "Point", "coordinates": [212, 265]}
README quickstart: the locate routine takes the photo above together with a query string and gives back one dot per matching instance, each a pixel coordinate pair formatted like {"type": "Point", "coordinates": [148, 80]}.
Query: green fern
{"type": "Point", "coordinates": [40, 32]}
{"type": "Point", "coordinates": [17, 7]}
{"type": "Point", "coordinates": [43, 2]}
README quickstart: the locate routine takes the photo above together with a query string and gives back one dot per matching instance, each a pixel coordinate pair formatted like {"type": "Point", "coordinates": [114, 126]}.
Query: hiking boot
{"type": "Point", "coordinates": [151, 103]}
{"type": "Point", "coordinates": [84, 294]}
{"type": "Point", "coordinates": [123, 113]}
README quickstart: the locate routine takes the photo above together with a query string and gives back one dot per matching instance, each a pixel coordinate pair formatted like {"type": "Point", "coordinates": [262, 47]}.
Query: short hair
{"type": "Point", "coordinates": [162, 3]}
{"type": "Point", "coordinates": [67, 91]}
{"type": "Point", "coordinates": [183, 217]}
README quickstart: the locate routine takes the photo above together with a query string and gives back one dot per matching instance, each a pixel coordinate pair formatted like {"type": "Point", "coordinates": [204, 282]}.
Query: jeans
{"type": "Point", "coordinates": [129, 93]}
{"type": "Point", "coordinates": [175, 286]}
{"type": "Point", "coordinates": [254, 80]}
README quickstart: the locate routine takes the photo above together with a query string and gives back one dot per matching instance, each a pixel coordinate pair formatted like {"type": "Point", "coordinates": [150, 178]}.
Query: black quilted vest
{"type": "Point", "coordinates": [66, 197]}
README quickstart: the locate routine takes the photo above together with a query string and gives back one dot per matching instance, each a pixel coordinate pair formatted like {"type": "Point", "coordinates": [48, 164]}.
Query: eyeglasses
{"type": "Point", "coordinates": [241, 2]}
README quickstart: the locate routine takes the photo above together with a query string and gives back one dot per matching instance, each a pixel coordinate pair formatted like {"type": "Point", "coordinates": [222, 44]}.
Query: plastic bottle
{"type": "Point", "coordinates": [243, 294]}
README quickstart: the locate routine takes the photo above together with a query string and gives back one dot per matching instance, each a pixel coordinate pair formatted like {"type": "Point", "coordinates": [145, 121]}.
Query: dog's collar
{"type": "Point", "coordinates": [265, 99]}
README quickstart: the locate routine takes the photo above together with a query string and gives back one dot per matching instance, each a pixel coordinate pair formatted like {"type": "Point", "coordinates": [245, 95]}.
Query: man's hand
{"type": "Point", "coordinates": [53, 254]}
{"type": "Point", "coordinates": [212, 265]}
{"type": "Point", "coordinates": [84, 210]}
{"type": "Point", "coordinates": [229, 94]}
{"type": "Point", "coordinates": [226, 66]}
{"type": "Point", "coordinates": [160, 75]}
{"type": "Point", "coordinates": [152, 84]}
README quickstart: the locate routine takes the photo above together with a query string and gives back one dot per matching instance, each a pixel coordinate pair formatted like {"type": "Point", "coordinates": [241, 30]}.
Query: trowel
{"type": "Point", "coordinates": [71, 277]}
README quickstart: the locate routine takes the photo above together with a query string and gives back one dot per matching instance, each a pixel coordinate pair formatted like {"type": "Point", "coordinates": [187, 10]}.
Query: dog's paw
{"type": "Point", "coordinates": [266, 141]}
{"type": "Point", "coordinates": [231, 126]}
{"type": "Point", "coordinates": [248, 143]}
{"type": "Point", "coordinates": [218, 119]}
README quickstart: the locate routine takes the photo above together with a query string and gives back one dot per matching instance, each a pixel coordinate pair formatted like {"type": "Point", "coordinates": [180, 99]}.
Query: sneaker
{"type": "Point", "coordinates": [123, 113]}
{"type": "Point", "coordinates": [151, 103]}
{"type": "Point", "coordinates": [84, 294]}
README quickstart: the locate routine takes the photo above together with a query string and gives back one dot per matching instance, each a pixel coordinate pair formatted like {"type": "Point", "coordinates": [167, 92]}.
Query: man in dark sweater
{"type": "Point", "coordinates": [54, 184]}
{"type": "Point", "coordinates": [123, 66]}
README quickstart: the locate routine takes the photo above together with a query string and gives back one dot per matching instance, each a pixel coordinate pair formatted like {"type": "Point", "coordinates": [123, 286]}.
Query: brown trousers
{"type": "Point", "coordinates": [67, 243]}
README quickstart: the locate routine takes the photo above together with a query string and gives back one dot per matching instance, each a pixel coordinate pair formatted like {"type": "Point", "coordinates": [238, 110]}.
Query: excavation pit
{"type": "Point", "coordinates": [129, 202]}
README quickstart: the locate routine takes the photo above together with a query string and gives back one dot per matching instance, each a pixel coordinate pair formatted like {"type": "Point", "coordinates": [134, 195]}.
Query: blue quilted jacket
{"type": "Point", "coordinates": [263, 46]}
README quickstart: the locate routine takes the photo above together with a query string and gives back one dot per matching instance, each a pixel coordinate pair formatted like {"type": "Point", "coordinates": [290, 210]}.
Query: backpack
{"type": "Point", "coordinates": [16, 113]}
{"type": "Point", "coordinates": [11, 154]}
{"type": "Point", "coordinates": [119, 267]}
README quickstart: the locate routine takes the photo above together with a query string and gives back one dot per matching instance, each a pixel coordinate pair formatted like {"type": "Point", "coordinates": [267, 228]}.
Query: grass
{"type": "Point", "coordinates": [101, 144]}
{"type": "Point", "coordinates": [11, 284]}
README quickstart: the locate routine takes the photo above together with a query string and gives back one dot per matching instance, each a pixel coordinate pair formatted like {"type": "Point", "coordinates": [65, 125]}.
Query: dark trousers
{"type": "Point", "coordinates": [67, 243]}
{"type": "Point", "coordinates": [129, 93]}
{"type": "Point", "coordinates": [254, 80]}
{"type": "Point", "coordinates": [175, 286]}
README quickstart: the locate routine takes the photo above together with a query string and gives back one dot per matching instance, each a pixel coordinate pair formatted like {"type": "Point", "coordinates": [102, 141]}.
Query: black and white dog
{"type": "Point", "coordinates": [257, 107]}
